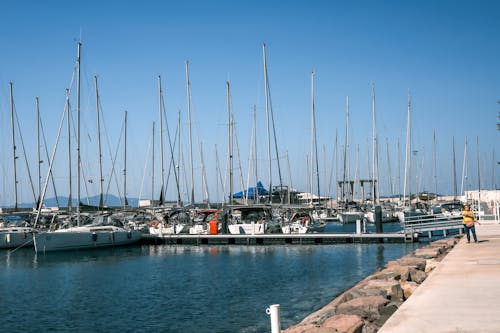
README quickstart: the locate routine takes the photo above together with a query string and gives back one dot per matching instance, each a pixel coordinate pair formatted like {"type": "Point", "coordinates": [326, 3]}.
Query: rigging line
{"type": "Point", "coordinates": [24, 152]}
{"type": "Point", "coordinates": [274, 134]}
{"type": "Point", "coordinates": [113, 159]}
{"type": "Point", "coordinates": [81, 167]}
{"type": "Point", "coordinates": [151, 139]}
{"type": "Point", "coordinates": [47, 157]}
{"type": "Point", "coordinates": [172, 148]}
{"type": "Point", "coordinates": [113, 173]}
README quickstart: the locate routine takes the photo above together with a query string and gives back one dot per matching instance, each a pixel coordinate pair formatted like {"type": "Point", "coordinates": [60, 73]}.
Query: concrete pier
{"type": "Point", "coordinates": [461, 295]}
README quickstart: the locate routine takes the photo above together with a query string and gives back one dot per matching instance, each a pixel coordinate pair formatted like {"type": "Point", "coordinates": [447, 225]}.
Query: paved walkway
{"type": "Point", "coordinates": [461, 295]}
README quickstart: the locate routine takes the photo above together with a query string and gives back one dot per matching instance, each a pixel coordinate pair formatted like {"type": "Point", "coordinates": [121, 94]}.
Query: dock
{"type": "Point", "coordinates": [279, 239]}
{"type": "Point", "coordinates": [461, 295]}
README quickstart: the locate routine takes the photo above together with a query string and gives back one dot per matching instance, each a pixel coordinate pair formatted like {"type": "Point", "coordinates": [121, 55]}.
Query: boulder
{"type": "Point", "coordinates": [417, 276]}
{"type": "Point", "coordinates": [300, 328]}
{"type": "Point", "coordinates": [344, 323]}
{"type": "Point", "coordinates": [363, 291]}
{"type": "Point", "coordinates": [418, 263]}
{"type": "Point", "coordinates": [402, 271]}
{"type": "Point", "coordinates": [428, 252]}
{"type": "Point", "coordinates": [386, 312]}
{"type": "Point", "coordinates": [392, 288]}
{"type": "Point", "coordinates": [431, 264]}
{"type": "Point", "coordinates": [408, 287]}
{"type": "Point", "coordinates": [367, 307]}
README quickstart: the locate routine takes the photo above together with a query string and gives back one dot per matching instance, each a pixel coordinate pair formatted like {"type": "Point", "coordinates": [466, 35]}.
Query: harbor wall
{"type": "Point", "coordinates": [366, 306]}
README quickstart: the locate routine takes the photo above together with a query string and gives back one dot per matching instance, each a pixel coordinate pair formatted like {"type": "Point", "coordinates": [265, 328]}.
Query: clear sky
{"type": "Point", "coordinates": [445, 54]}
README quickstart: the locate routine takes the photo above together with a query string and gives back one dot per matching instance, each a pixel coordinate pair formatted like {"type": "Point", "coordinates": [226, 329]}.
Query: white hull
{"type": "Point", "coordinates": [294, 228]}
{"type": "Point", "coordinates": [79, 238]}
{"type": "Point", "coordinates": [247, 228]}
{"type": "Point", "coordinates": [13, 237]}
{"type": "Point", "coordinates": [350, 217]}
{"type": "Point", "coordinates": [161, 229]}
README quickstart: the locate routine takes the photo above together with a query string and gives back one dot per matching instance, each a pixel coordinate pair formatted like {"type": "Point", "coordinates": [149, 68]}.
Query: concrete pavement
{"type": "Point", "coordinates": [461, 295]}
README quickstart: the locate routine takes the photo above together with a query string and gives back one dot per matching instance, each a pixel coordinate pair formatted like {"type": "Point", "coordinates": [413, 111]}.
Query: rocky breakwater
{"type": "Point", "coordinates": [365, 307]}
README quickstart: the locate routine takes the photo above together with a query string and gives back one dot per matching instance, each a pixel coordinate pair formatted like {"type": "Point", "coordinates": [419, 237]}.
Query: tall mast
{"type": "Point", "coordinates": [256, 192]}
{"type": "Point", "coordinates": [314, 143]}
{"type": "Point", "coordinates": [188, 88]}
{"type": "Point", "coordinates": [78, 136]}
{"type": "Point", "coordinates": [454, 172]}
{"type": "Point", "coordinates": [125, 162]}
{"type": "Point", "coordinates": [478, 177]}
{"type": "Point", "coordinates": [267, 123]}
{"type": "Point", "coordinates": [230, 143]}
{"type": "Point", "coordinates": [162, 168]}
{"type": "Point", "coordinates": [464, 169]}
{"type": "Point", "coordinates": [101, 179]}
{"type": "Point", "coordinates": [70, 197]}
{"type": "Point", "coordinates": [39, 161]}
{"type": "Point", "coordinates": [153, 163]}
{"type": "Point", "coordinates": [407, 153]}
{"type": "Point", "coordinates": [374, 149]}
{"type": "Point", "coordinates": [14, 155]}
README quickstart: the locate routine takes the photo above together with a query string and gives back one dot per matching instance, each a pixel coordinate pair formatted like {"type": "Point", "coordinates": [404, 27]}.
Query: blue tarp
{"type": "Point", "coordinates": [251, 191]}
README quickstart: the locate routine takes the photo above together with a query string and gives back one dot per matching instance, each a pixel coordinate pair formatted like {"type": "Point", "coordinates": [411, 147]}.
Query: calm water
{"type": "Point", "coordinates": [179, 288]}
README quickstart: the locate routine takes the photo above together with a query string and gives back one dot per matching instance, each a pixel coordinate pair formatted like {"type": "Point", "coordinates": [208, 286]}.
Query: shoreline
{"type": "Point", "coordinates": [367, 305]}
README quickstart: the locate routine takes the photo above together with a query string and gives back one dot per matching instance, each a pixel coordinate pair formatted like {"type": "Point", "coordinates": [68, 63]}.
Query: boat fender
{"type": "Point", "coordinates": [112, 236]}
{"type": "Point", "coordinates": [25, 235]}
{"type": "Point", "coordinates": [94, 237]}
{"type": "Point", "coordinates": [129, 234]}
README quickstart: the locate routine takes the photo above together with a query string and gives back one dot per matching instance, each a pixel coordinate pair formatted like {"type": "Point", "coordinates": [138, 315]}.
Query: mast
{"type": "Point", "coordinates": [153, 163]}
{"type": "Point", "coordinates": [101, 179]}
{"type": "Point", "coordinates": [70, 197]}
{"type": "Point", "coordinates": [407, 153]}
{"type": "Point", "coordinates": [374, 149]}
{"type": "Point", "coordinates": [256, 192]}
{"type": "Point", "coordinates": [125, 203]}
{"type": "Point", "coordinates": [14, 157]}
{"type": "Point", "coordinates": [464, 169]}
{"type": "Point", "coordinates": [230, 143]}
{"type": "Point", "coordinates": [454, 172]}
{"type": "Point", "coordinates": [267, 123]}
{"type": "Point", "coordinates": [478, 177]}
{"type": "Point", "coordinates": [188, 88]}
{"type": "Point", "coordinates": [314, 147]}
{"type": "Point", "coordinates": [162, 168]}
{"type": "Point", "coordinates": [78, 136]}
{"type": "Point", "coordinates": [39, 161]}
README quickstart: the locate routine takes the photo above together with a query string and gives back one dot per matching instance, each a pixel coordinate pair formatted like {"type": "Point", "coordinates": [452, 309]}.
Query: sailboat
{"type": "Point", "coordinates": [94, 235]}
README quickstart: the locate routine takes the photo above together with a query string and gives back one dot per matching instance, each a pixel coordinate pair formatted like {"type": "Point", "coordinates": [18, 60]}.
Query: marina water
{"type": "Point", "coordinates": [164, 288]}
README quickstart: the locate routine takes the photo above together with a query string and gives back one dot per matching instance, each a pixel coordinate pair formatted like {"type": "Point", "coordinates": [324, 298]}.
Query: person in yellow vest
{"type": "Point", "coordinates": [469, 219]}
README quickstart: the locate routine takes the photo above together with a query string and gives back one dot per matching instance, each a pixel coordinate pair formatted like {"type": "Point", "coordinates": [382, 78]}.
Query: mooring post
{"type": "Point", "coordinates": [274, 312]}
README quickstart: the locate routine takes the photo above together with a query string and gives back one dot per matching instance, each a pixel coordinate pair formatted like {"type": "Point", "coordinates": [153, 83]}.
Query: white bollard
{"type": "Point", "coordinates": [274, 312]}
{"type": "Point", "coordinates": [358, 227]}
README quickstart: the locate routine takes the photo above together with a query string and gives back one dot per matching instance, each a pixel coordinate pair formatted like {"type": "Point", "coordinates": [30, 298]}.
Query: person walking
{"type": "Point", "coordinates": [469, 220]}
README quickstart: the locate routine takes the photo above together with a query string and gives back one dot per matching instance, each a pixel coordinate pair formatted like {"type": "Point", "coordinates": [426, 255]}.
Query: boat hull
{"type": "Point", "coordinates": [11, 238]}
{"type": "Point", "coordinates": [79, 240]}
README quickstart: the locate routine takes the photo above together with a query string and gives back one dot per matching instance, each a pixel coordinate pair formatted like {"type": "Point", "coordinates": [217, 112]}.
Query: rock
{"type": "Point", "coordinates": [300, 328]}
{"type": "Point", "coordinates": [344, 323]}
{"type": "Point", "coordinates": [393, 288]}
{"type": "Point", "coordinates": [362, 292]}
{"type": "Point", "coordinates": [367, 307]}
{"type": "Point", "coordinates": [386, 312]}
{"type": "Point", "coordinates": [417, 276]}
{"type": "Point", "coordinates": [419, 263]}
{"type": "Point", "coordinates": [386, 274]}
{"type": "Point", "coordinates": [402, 271]}
{"type": "Point", "coordinates": [428, 253]}
{"type": "Point", "coordinates": [431, 264]}
{"type": "Point", "coordinates": [408, 287]}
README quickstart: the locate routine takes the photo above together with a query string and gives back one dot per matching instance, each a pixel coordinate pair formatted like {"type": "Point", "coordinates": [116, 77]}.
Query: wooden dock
{"type": "Point", "coordinates": [277, 239]}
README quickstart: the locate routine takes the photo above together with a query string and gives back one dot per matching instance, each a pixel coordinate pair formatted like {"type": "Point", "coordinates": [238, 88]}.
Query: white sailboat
{"type": "Point", "coordinates": [94, 235]}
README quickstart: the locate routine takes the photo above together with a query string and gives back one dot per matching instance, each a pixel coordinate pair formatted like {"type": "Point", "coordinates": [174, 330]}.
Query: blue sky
{"type": "Point", "coordinates": [445, 53]}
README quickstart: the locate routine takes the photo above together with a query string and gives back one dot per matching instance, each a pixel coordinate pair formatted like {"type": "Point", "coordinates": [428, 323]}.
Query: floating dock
{"type": "Point", "coordinates": [279, 239]}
